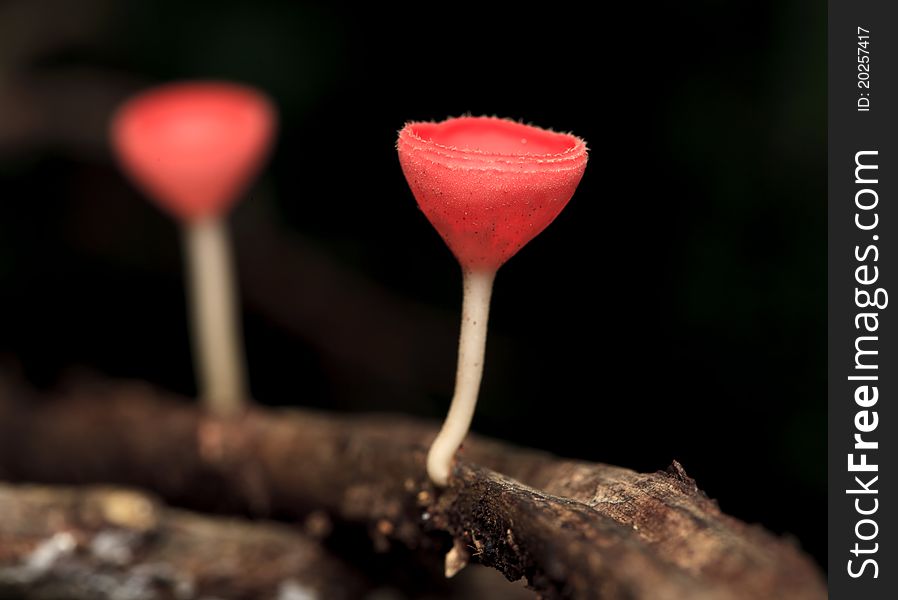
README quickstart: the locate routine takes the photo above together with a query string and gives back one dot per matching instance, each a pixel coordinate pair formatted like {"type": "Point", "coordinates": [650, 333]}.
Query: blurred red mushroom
{"type": "Point", "coordinates": [488, 186]}
{"type": "Point", "coordinates": [193, 148]}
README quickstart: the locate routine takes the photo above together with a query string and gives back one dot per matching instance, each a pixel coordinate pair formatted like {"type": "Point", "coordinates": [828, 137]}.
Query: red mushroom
{"type": "Point", "coordinates": [488, 186]}
{"type": "Point", "coordinates": [193, 148]}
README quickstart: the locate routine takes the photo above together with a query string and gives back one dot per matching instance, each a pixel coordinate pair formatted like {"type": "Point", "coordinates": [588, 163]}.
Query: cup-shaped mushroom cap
{"type": "Point", "coordinates": [489, 185]}
{"type": "Point", "coordinates": [193, 147]}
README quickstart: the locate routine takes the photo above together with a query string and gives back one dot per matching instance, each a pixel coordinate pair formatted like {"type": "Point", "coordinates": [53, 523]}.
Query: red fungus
{"type": "Point", "coordinates": [193, 148]}
{"type": "Point", "coordinates": [488, 186]}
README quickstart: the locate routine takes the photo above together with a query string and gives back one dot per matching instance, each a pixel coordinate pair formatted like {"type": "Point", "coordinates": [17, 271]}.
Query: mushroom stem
{"type": "Point", "coordinates": [212, 295]}
{"type": "Point", "coordinates": [478, 287]}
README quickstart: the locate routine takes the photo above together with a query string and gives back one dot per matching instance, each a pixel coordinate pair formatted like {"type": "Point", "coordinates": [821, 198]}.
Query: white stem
{"type": "Point", "coordinates": [478, 287]}
{"type": "Point", "coordinates": [217, 340]}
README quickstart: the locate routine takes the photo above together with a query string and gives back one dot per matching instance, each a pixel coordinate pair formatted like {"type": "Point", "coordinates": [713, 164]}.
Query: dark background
{"type": "Point", "coordinates": [675, 310]}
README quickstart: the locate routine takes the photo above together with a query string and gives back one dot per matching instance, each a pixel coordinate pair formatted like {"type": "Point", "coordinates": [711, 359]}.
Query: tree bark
{"type": "Point", "coordinates": [573, 529]}
{"type": "Point", "coordinates": [110, 543]}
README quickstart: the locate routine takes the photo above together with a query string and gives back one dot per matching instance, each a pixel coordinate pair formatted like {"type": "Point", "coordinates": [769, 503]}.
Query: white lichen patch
{"type": "Point", "coordinates": [114, 547]}
{"type": "Point", "coordinates": [50, 551]}
{"type": "Point", "coordinates": [293, 590]}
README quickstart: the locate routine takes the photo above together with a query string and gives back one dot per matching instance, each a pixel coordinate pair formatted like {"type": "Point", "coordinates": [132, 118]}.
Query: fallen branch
{"type": "Point", "coordinates": [108, 543]}
{"type": "Point", "coordinates": [573, 529]}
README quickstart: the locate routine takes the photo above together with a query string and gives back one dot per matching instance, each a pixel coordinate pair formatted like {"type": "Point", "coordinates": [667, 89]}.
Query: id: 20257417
{"type": "Point", "coordinates": [863, 69]}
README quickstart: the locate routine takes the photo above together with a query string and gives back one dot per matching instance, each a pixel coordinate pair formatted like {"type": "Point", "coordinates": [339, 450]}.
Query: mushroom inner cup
{"type": "Point", "coordinates": [495, 136]}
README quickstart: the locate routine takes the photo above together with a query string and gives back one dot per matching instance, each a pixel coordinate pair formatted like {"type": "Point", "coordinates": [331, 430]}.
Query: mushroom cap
{"type": "Point", "coordinates": [194, 146]}
{"type": "Point", "coordinates": [489, 185]}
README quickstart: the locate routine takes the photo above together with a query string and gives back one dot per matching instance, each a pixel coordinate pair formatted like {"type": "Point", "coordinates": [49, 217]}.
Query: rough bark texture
{"type": "Point", "coordinates": [573, 529]}
{"type": "Point", "coordinates": [107, 543]}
